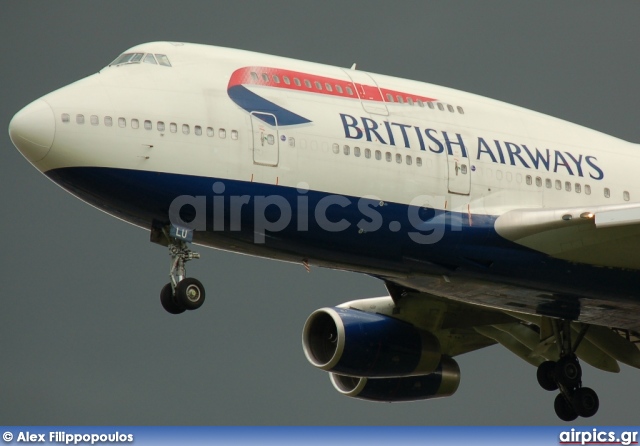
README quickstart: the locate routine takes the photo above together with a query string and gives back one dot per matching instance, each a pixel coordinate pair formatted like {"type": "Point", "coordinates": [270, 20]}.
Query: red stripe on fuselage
{"type": "Point", "coordinates": [298, 81]}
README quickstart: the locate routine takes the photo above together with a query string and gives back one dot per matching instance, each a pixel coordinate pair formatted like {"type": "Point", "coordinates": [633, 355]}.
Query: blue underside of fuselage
{"type": "Point", "coordinates": [468, 246]}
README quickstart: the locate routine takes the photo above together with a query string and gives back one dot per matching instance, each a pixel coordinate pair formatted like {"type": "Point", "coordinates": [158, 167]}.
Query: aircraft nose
{"type": "Point", "coordinates": [32, 130]}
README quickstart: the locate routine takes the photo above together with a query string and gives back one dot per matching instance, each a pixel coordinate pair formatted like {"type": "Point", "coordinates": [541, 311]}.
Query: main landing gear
{"type": "Point", "coordinates": [181, 293]}
{"type": "Point", "coordinates": [566, 375]}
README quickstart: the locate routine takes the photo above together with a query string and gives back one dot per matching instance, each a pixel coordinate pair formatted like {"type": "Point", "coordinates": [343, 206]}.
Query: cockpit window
{"type": "Point", "coordinates": [149, 59]}
{"type": "Point", "coordinates": [163, 60]}
{"type": "Point", "coordinates": [131, 58]}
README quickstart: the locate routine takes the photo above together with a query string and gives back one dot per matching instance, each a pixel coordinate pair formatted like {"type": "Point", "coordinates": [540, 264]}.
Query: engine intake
{"type": "Point", "coordinates": [356, 343]}
{"type": "Point", "coordinates": [441, 383]}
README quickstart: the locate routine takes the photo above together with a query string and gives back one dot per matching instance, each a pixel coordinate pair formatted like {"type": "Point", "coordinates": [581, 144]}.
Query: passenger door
{"type": "Point", "coordinates": [266, 144]}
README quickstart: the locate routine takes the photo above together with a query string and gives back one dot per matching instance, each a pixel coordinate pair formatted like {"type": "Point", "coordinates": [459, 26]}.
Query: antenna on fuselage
{"type": "Point", "coordinates": [353, 67]}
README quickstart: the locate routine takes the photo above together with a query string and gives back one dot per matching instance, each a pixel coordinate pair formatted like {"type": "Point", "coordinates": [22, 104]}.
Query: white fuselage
{"type": "Point", "coordinates": [264, 125]}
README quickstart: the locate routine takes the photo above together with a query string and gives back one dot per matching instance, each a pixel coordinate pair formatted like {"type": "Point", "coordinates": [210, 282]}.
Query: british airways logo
{"type": "Point", "coordinates": [495, 151]}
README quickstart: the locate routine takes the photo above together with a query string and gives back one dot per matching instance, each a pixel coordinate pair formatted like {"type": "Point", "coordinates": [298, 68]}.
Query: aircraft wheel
{"type": "Point", "coordinates": [546, 375]}
{"type": "Point", "coordinates": [568, 371]}
{"type": "Point", "coordinates": [168, 300]}
{"type": "Point", "coordinates": [564, 409]}
{"type": "Point", "coordinates": [190, 293]}
{"type": "Point", "coordinates": [585, 402]}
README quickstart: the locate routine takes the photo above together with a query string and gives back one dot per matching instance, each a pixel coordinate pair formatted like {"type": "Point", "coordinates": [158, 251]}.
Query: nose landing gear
{"type": "Point", "coordinates": [181, 293]}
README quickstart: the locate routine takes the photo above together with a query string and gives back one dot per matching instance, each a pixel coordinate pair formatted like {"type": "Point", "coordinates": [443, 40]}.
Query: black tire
{"type": "Point", "coordinates": [568, 372]}
{"type": "Point", "coordinates": [585, 402]}
{"type": "Point", "coordinates": [564, 409]}
{"type": "Point", "coordinates": [168, 300]}
{"type": "Point", "coordinates": [546, 375]}
{"type": "Point", "coordinates": [190, 293]}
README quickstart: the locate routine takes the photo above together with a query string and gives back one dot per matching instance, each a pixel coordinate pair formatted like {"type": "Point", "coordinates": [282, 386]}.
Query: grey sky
{"type": "Point", "coordinates": [83, 337]}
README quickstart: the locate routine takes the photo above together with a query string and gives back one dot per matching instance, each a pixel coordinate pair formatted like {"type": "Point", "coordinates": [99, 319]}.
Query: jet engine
{"type": "Point", "coordinates": [442, 382]}
{"type": "Point", "coordinates": [361, 344]}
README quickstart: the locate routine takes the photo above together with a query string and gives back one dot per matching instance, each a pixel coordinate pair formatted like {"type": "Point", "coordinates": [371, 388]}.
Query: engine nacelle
{"type": "Point", "coordinates": [441, 383]}
{"type": "Point", "coordinates": [356, 343]}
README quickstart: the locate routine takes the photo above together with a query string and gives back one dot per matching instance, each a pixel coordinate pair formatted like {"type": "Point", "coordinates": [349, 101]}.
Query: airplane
{"type": "Point", "coordinates": [488, 223]}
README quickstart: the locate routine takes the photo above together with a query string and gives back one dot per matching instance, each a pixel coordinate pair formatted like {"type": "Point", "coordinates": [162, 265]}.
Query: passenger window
{"type": "Point", "coordinates": [430, 105]}
{"type": "Point", "coordinates": [276, 79]}
{"type": "Point", "coordinates": [271, 139]}
{"type": "Point", "coordinates": [122, 122]}
{"type": "Point", "coordinates": [65, 117]}
{"type": "Point", "coordinates": [558, 184]}
{"type": "Point", "coordinates": [463, 170]}
{"type": "Point", "coordinates": [450, 108]}
{"type": "Point", "coordinates": [399, 98]}
{"type": "Point", "coordinates": [567, 186]}
{"type": "Point", "coordinates": [529, 180]}
{"type": "Point", "coordinates": [587, 189]}
{"type": "Point", "coordinates": [265, 77]}
{"type": "Point", "coordinates": [307, 82]}
{"type": "Point", "coordinates": [410, 101]}
{"type": "Point", "coordinates": [346, 150]}
{"type": "Point", "coordinates": [222, 133]}
{"type": "Point", "coordinates": [210, 132]}
{"type": "Point", "coordinates": [538, 181]}
{"type": "Point", "coordinates": [185, 129]}
{"type": "Point", "coordinates": [607, 192]}
{"type": "Point", "coordinates": [461, 110]}
{"type": "Point", "coordinates": [318, 85]}
{"type": "Point", "coordinates": [150, 59]}
{"type": "Point", "coordinates": [626, 196]}
{"type": "Point", "coordinates": [339, 89]}
{"type": "Point", "coordinates": [349, 91]}
{"type": "Point", "coordinates": [135, 124]}
{"type": "Point", "coordinates": [548, 183]}
{"type": "Point", "coordinates": [286, 80]}
{"type": "Point", "coordinates": [328, 86]}
{"type": "Point", "coordinates": [254, 76]}
{"type": "Point", "coordinates": [160, 126]}
{"type": "Point", "coordinates": [378, 155]}
{"type": "Point", "coordinates": [578, 188]}
{"type": "Point", "coordinates": [173, 127]}
{"type": "Point", "coordinates": [108, 121]}
{"type": "Point", "coordinates": [336, 148]}
{"type": "Point", "coordinates": [420, 103]}
{"type": "Point", "coordinates": [94, 120]}
{"type": "Point", "coordinates": [440, 106]}
{"type": "Point", "coordinates": [292, 142]}
{"type": "Point", "coordinates": [147, 125]}
{"type": "Point", "coordinates": [197, 130]}
{"type": "Point", "coordinates": [409, 161]}
{"type": "Point", "coordinates": [387, 156]}
{"type": "Point", "coordinates": [367, 153]}
{"type": "Point", "coordinates": [499, 174]}
{"type": "Point", "coordinates": [80, 119]}
{"type": "Point", "coordinates": [389, 97]}
{"type": "Point", "coordinates": [356, 151]}
{"type": "Point", "coordinates": [398, 158]}
{"type": "Point", "coordinates": [234, 134]}
{"type": "Point", "coordinates": [418, 161]}
{"type": "Point", "coordinates": [297, 81]}
{"type": "Point", "coordinates": [163, 60]}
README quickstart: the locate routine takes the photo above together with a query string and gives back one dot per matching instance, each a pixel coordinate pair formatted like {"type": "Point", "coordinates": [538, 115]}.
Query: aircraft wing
{"type": "Point", "coordinates": [596, 235]}
{"type": "Point", "coordinates": [462, 327]}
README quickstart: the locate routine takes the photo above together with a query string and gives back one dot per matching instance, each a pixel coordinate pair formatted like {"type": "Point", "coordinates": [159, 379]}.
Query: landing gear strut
{"type": "Point", "coordinates": [181, 293]}
{"type": "Point", "coordinates": [566, 375]}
